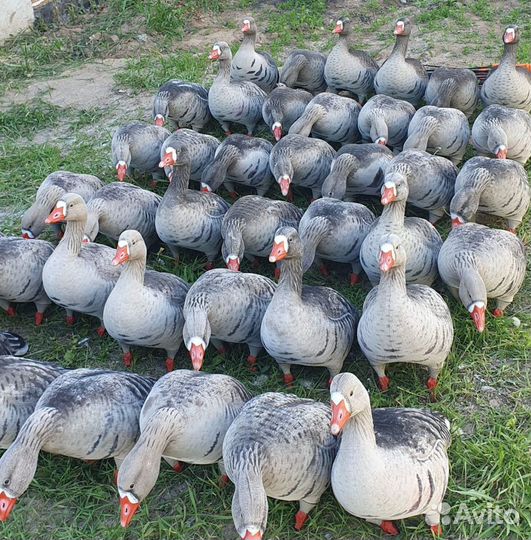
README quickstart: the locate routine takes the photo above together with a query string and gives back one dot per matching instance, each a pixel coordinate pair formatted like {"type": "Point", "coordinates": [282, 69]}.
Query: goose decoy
{"type": "Point", "coordinates": [304, 69]}
{"type": "Point", "coordinates": [503, 132]}
{"type": "Point", "coordinates": [440, 131]}
{"type": "Point", "coordinates": [457, 88]}
{"type": "Point", "coordinates": [412, 321]}
{"type": "Point", "coordinates": [308, 326]}
{"type": "Point", "coordinates": [492, 186]}
{"type": "Point", "coordinates": [401, 77]}
{"type": "Point", "coordinates": [399, 468]}
{"type": "Point", "coordinates": [349, 70]}
{"type": "Point", "coordinates": [88, 414]}
{"type": "Point", "coordinates": [239, 160]}
{"type": "Point", "coordinates": [53, 187]}
{"type": "Point", "coordinates": [250, 65]}
{"type": "Point", "coordinates": [184, 420]}
{"type": "Point", "coordinates": [189, 219]}
{"type": "Point", "coordinates": [78, 276]}
{"type": "Point", "coordinates": [508, 85]}
{"type": "Point", "coordinates": [279, 446]}
{"type": "Point", "coordinates": [182, 103]}
{"type": "Point", "coordinates": [21, 266]}
{"type": "Point", "coordinates": [145, 307]}
{"type": "Point", "coordinates": [230, 101]}
{"type": "Point", "coordinates": [282, 107]}
{"type": "Point", "coordinates": [223, 305]}
{"type": "Point", "coordinates": [478, 263]}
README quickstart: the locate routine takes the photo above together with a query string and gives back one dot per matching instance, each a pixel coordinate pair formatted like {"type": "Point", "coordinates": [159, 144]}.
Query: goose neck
{"type": "Point", "coordinates": [291, 276]}
{"type": "Point", "coordinates": [73, 237]}
{"type": "Point", "coordinates": [394, 213]}
{"type": "Point", "coordinates": [359, 433]}
{"type": "Point", "coordinates": [508, 59]}
{"type": "Point", "coordinates": [400, 48]}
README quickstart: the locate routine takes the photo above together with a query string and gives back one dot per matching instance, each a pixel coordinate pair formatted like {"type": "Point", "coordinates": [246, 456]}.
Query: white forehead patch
{"type": "Point", "coordinates": [217, 49]}
{"type": "Point", "coordinates": [339, 23]}
{"type": "Point", "coordinates": [206, 186]}
{"type": "Point", "coordinates": [7, 493]}
{"type": "Point", "coordinates": [197, 341]}
{"type": "Point", "coordinates": [479, 305]}
{"type": "Point", "coordinates": [281, 239]}
{"type": "Point", "coordinates": [128, 495]}
{"type": "Point", "coordinates": [172, 151]}
{"type": "Point", "coordinates": [386, 248]}
{"type": "Point", "coordinates": [121, 163]}
{"type": "Point", "coordinates": [231, 258]}
{"type": "Point", "coordinates": [247, 21]}
{"type": "Point", "coordinates": [61, 204]}
{"type": "Point", "coordinates": [276, 125]}
{"type": "Point", "coordinates": [337, 398]}
{"type": "Point", "coordinates": [390, 185]}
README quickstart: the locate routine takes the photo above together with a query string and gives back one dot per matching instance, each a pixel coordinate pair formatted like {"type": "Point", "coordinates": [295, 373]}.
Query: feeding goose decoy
{"type": "Point", "coordinates": [304, 69]}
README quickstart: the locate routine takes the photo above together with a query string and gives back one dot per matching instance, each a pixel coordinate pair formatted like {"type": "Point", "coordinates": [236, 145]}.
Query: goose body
{"type": "Point", "coordinates": [21, 268]}
{"type": "Point", "coordinates": [53, 187]}
{"type": "Point", "coordinates": [89, 414]}
{"type": "Point", "coordinates": [145, 307]}
{"type": "Point", "coordinates": [239, 160]}
{"type": "Point", "coordinates": [329, 117]}
{"type": "Point", "coordinates": [304, 69]}
{"type": "Point", "coordinates": [279, 446]}
{"type": "Point", "coordinates": [183, 103]}
{"type": "Point", "coordinates": [309, 326]}
{"type": "Point", "coordinates": [184, 419]}
{"type": "Point", "coordinates": [119, 206]}
{"type": "Point", "coordinates": [391, 463]}
{"type": "Point", "coordinates": [440, 131]}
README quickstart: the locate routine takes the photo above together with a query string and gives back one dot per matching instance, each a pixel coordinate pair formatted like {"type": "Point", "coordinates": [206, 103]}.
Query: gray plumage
{"type": "Point", "coordinates": [503, 132]}
{"type": "Point", "coordinates": [282, 107]}
{"type": "Point", "coordinates": [201, 148]}
{"type": "Point", "coordinates": [184, 103]}
{"type": "Point", "coordinates": [491, 186]}
{"type": "Point", "coordinates": [279, 446]}
{"type": "Point", "coordinates": [53, 187]}
{"type": "Point", "coordinates": [229, 101]}
{"type": "Point", "coordinates": [21, 266]}
{"type": "Point", "coordinates": [348, 69]}
{"type": "Point", "coordinates": [508, 85]}
{"type": "Point", "coordinates": [145, 307]}
{"type": "Point", "coordinates": [249, 227]}
{"type": "Point", "coordinates": [23, 381]}
{"type": "Point", "coordinates": [391, 463]}
{"type": "Point", "coordinates": [419, 237]}
{"type": "Point", "coordinates": [334, 230]}
{"type": "Point", "coordinates": [329, 117]}
{"type": "Point", "coordinates": [12, 344]}
{"type": "Point", "coordinates": [384, 119]}
{"type": "Point", "coordinates": [453, 87]}
{"type": "Point", "coordinates": [478, 263]}
{"type": "Point", "coordinates": [441, 131]}
{"type": "Point", "coordinates": [308, 326]}
{"type": "Point", "coordinates": [401, 77]}
{"type": "Point", "coordinates": [403, 322]}
{"type": "Point", "coordinates": [119, 206]}
{"type": "Point", "coordinates": [304, 69]}
{"type": "Point", "coordinates": [189, 219]}
{"type": "Point", "coordinates": [357, 169]}
{"type": "Point", "coordinates": [302, 161]}
{"type": "Point", "coordinates": [239, 160]}
{"type": "Point", "coordinates": [223, 305]}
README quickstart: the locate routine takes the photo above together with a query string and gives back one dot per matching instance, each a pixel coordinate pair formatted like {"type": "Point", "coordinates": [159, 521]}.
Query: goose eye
{"type": "Point", "coordinates": [351, 393]}
{"type": "Point", "coordinates": [6, 482]}
{"type": "Point", "coordinates": [131, 486]}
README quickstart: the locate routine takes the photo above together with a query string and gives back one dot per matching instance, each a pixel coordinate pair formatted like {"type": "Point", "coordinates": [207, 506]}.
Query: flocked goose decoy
{"type": "Point", "coordinates": [391, 463]}
{"type": "Point", "coordinates": [279, 446]}
{"type": "Point", "coordinates": [238, 102]}
{"type": "Point", "coordinates": [184, 420]}
{"type": "Point", "coordinates": [401, 77]}
{"type": "Point", "coordinates": [250, 65]}
{"type": "Point", "coordinates": [53, 187]}
{"type": "Point", "coordinates": [183, 103]}
{"type": "Point", "coordinates": [145, 307]}
{"type": "Point", "coordinates": [88, 414]}
{"type": "Point", "coordinates": [21, 265]}
{"type": "Point", "coordinates": [303, 325]}
{"type": "Point", "coordinates": [412, 321]}
{"type": "Point", "coordinates": [223, 305]}
{"type": "Point", "coordinates": [304, 69]}
{"type": "Point", "coordinates": [349, 70]}
{"type": "Point", "coordinates": [478, 263]}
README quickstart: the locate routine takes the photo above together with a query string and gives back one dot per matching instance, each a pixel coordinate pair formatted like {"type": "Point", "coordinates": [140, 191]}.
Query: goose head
{"type": "Point", "coordinates": [511, 34]}
{"type": "Point", "coordinates": [463, 206]}
{"type": "Point", "coordinates": [286, 245]}
{"type": "Point", "coordinates": [248, 26]}
{"type": "Point", "coordinates": [131, 247]}
{"type": "Point", "coordinates": [220, 51]}
{"type": "Point", "coordinates": [392, 253]}
{"type": "Point", "coordinates": [342, 27]}
{"type": "Point", "coordinates": [395, 188]}
{"type": "Point", "coordinates": [348, 398]}
{"type": "Point", "coordinates": [71, 207]}
{"type": "Point", "coordinates": [402, 27]}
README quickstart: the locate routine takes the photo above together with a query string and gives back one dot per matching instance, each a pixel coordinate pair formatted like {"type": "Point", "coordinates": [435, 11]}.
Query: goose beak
{"type": "Point", "coordinates": [381, 140]}
{"type": "Point", "coordinates": [277, 132]}
{"type": "Point", "coordinates": [57, 216]}
{"type": "Point", "coordinates": [27, 234]}
{"type": "Point", "coordinates": [278, 252]}
{"type": "Point", "coordinates": [159, 120]}
{"type": "Point", "coordinates": [7, 503]}
{"type": "Point", "coordinates": [399, 28]}
{"type": "Point", "coordinates": [205, 188]}
{"type": "Point", "coordinates": [509, 35]}
{"type": "Point", "coordinates": [246, 27]}
{"type": "Point", "coordinates": [233, 264]}
{"type": "Point", "coordinates": [86, 239]}
{"type": "Point", "coordinates": [121, 171]}
{"type": "Point", "coordinates": [456, 221]}
{"type": "Point", "coordinates": [388, 193]}
{"type": "Point", "coordinates": [284, 182]}
{"type": "Point", "coordinates": [387, 260]}
{"type": "Point", "coordinates": [197, 354]}
{"type": "Point", "coordinates": [477, 312]}
{"type": "Point", "coordinates": [501, 152]}
{"type": "Point", "coordinates": [127, 510]}
{"type": "Point", "coordinates": [122, 255]}
{"type": "Point", "coordinates": [214, 55]}
{"type": "Point", "coordinates": [167, 160]}
{"type": "Point", "coordinates": [340, 416]}
{"type": "Point", "coordinates": [338, 29]}
{"type": "Point", "coordinates": [250, 536]}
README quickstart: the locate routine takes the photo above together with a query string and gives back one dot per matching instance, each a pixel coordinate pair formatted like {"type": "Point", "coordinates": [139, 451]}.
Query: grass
{"type": "Point", "coordinates": [485, 387]}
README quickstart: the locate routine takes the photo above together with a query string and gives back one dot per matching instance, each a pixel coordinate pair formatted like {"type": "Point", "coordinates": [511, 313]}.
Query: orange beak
{"type": "Point", "coordinates": [456, 221]}
{"type": "Point", "coordinates": [338, 29]}
{"type": "Point", "coordinates": [159, 121]}
{"type": "Point", "coordinates": [246, 27]}
{"type": "Point", "coordinates": [478, 316]}
{"type": "Point", "coordinates": [7, 504]}
{"type": "Point", "coordinates": [121, 257]}
{"type": "Point", "coordinates": [57, 216]}
{"type": "Point", "coordinates": [501, 153]}
{"type": "Point", "coordinates": [197, 354]}
{"type": "Point", "coordinates": [284, 183]}
{"type": "Point", "coordinates": [26, 236]}
{"type": "Point", "coordinates": [277, 133]}
{"type": "Point", "coordinates": [205, 188]}
{"type": "Point", "coordinates": [234, 265]}
{"type": "Point", "coordinates": [386, 261]}
{"type": "Point", "coordinates": [388, 195]}
{"type": "Point", "coordinates": [278, 252]}
{"type": "Point", "coordinates": [340, 417]}
{"type": "Point", "coordinates": [167, 160]}
{"type": "Point", "coordinates": [250, 536]}
{"type": "Point", "coordinates": [121, 171]}
{"type": "Point", "coordinates": [214, 55]}
{"type": "Point", "coordinates": [127, 511]}
{"type": "Point", "coordinates": [399, 29]}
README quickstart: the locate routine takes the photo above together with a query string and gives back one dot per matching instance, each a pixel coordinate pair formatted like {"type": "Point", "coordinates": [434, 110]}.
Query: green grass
{"type": "Point", "coordinates": [485, 387]}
